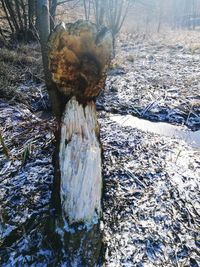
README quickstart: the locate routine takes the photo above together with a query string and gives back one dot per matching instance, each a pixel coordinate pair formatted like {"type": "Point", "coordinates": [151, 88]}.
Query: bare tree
{"type": "Point", "coordinates": [31, 14]}
{"type": "Point", "coordinates": [99, 12]}
{"type": "Point", "coordinates": [20, 17]}
{"type": "Point", "coordinates": [87, 8]}
{"type": "Point", "coordinates": [110, 13]}
{"type": "Point", "coordinates": [43, 20]}
{"type": "Point", "coordinates": [115, 13]}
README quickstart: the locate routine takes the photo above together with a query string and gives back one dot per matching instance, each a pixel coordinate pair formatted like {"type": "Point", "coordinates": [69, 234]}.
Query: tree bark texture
{"type": "Point", "coordinates": [43, 20]}
{"type": "Point", "coordinates": [79, 56]}
{"type": "Point", "coordinates": [31, 14]}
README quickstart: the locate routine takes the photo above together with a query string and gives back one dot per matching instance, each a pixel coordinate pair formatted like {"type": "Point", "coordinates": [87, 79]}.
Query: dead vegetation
{"type": "Point", "coordinates": [151, 199]}
{"type": "Point", "coordinates": [19, 65]}
{"type": "Point", "coordinates": [156, 77]}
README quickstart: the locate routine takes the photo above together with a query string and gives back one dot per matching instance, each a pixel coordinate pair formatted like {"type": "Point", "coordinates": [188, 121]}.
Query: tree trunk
{"type": "Point", "coordinates": [44, 31]}
{"type": "Point", "coordinates": [43, 25]}
{"type": "Point", "coordinates": [53, 13]}
{"type": "Point", "coordinates": [78, 59]}
{"type": "Point", "coordinates": [31, 14]}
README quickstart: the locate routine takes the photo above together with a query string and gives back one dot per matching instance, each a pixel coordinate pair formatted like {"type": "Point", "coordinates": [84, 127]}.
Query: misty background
{"type": "Point", "coordinates": [153, 15]}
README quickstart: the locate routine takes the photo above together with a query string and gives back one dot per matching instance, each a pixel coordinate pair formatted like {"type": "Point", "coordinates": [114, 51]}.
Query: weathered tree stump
{"type": "Point", "coordinates": [79, 56]}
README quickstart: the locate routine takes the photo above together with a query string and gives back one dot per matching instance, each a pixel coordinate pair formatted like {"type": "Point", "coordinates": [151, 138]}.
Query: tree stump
{"type": "Point", "coordinates": [79, 56]}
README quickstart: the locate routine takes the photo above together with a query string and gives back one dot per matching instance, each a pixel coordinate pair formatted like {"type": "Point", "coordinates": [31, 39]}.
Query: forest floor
{"type": "Point", "coordinates": [151, 202]}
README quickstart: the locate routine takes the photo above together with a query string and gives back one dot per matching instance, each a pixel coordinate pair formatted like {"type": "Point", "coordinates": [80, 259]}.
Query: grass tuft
{"type": "Point", "coordinates": [19, 66]}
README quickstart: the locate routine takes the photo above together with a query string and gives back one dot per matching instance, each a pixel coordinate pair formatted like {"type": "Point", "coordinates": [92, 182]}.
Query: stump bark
{"type": "Point", "coordinates": [79, 56]}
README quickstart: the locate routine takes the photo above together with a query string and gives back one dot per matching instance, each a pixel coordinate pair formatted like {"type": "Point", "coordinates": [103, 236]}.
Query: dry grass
{"type": "Point", "coordinates": [16, 58]}
{"type": "Point", "coordinates": [17, 66]}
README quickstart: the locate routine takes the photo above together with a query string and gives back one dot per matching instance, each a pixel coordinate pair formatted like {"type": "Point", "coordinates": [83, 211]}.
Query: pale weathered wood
{"type": "Point", "coordinates": [80, 163]}
{"type": "Point", "coordinates": [79, 56]}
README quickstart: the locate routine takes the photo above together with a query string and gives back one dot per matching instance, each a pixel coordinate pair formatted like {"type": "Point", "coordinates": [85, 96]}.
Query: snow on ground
{"type": "Point", "coordinates": [151, 210]}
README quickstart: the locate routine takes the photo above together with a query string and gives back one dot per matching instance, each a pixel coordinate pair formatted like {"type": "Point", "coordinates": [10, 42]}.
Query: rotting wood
{"type": "Point", "coordinates": [79, 56]}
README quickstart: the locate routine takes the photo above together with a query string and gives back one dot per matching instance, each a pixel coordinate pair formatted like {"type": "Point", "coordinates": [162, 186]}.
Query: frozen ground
{"type": "Point", "coordinates": [151, 210]}
{"type": "Point", "coordinates": [151, 199]}
{"type": "Point", "coordinates": [156, 77]}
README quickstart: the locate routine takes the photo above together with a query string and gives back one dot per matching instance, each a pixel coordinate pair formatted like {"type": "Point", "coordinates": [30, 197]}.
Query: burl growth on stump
{"type": "Point", "coordinates": [79, 57]}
